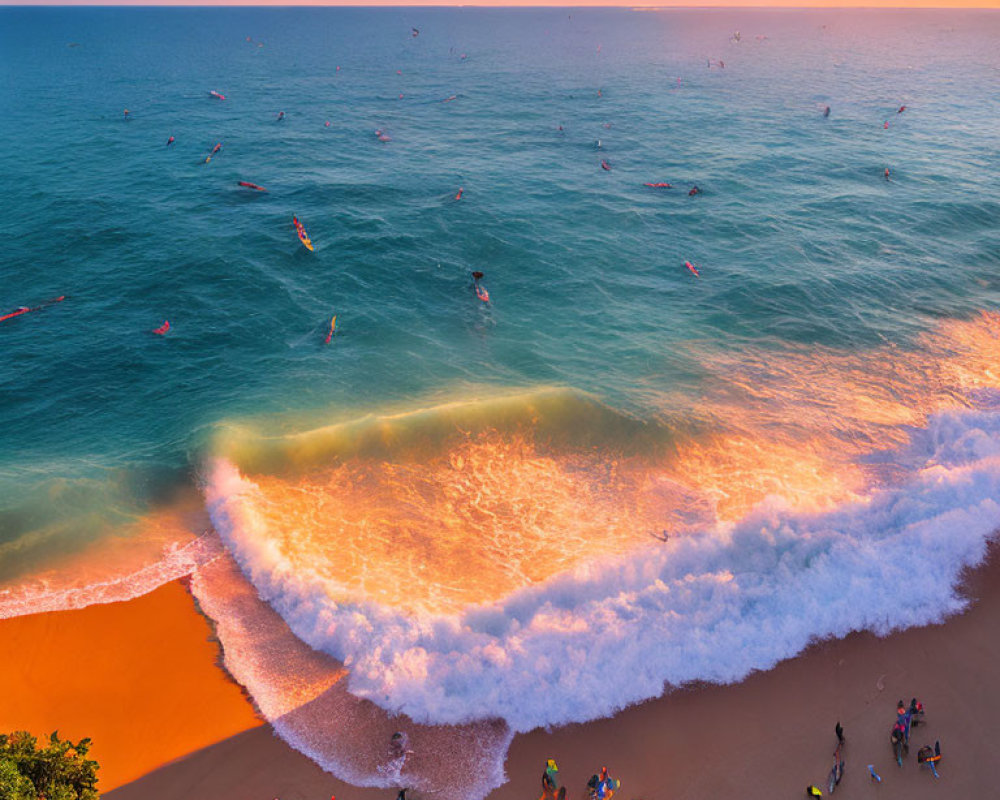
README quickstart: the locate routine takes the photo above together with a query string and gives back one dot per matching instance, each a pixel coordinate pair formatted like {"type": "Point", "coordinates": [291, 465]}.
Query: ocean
{"type": "Point", "coordinates": [461, 519]}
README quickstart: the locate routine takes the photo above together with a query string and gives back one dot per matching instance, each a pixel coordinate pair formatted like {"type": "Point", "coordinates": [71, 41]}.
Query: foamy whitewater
{"type": "Point", "coordinates": [457, 520]}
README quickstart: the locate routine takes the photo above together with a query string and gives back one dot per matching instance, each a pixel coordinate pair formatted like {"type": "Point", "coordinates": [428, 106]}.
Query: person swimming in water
{"type": "Point", "coordinates": [694, 190]}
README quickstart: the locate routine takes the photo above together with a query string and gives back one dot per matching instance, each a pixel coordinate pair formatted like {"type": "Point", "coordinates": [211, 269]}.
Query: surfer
{"type": "Point", "coordinates": [27, 310]}
{"type": "Point", "coordinates": [481, 291]}
{"type": "Point", "coordinates": [301, 231]}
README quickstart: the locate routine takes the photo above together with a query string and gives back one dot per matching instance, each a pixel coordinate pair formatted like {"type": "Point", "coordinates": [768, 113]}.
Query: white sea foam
{"type": "Point", "coordinates": [714, 606]}
{"type": "Point", "coordinates": [175, 562]}
{"type": "Point", "coordinates": [302, 694]}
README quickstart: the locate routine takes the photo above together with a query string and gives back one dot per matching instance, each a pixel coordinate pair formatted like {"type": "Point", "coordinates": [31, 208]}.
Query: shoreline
{"type": "Point", "coordinates": [767, 736]}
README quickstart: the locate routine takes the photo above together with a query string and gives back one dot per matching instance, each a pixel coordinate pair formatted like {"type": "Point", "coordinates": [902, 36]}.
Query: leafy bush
{"type": "Point", "coordinates": [58, 771]}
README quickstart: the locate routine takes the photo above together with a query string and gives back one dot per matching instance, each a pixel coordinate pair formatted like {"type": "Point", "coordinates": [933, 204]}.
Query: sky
{"type": "Point", "coordinates": [551, 3]}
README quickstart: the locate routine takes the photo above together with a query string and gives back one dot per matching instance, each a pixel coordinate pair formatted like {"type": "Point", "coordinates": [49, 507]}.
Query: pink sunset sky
{"type": "Point", "coordinates": [566, 4]}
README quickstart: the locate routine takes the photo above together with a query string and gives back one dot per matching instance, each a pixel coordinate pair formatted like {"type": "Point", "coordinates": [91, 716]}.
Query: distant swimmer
{"type": "Point", "coordinates": [450, 98]}
{"type": "Point", "coordinates": [399, 72]}
{"type": "Point", "coordinates": [333, 328]}
{"type": "Point", "coordinates": [162, 330]}
{"type": "Point", "coordinates": [886, 173]}
{"type": "Point", "coordinates": [251, 186]}
{"type": "Point", "coordinates": [338, 69]}
{"type": "Point", "coordinates": [459, 195]}
{"type": "Point", "coordinates": [692, 268]}
{"type": "Point", "coordinates": [826, 111]}
{"type": "Point", "coordinates": [658, 185]}
{"type": "Point", "coordinates": [217, 96]}
{"type": "Point", "coordinates": [382, 136]}
{"type": "Point", "coordinates": [694, 190]}
{"type": "Point", "coordinates": [901, 109]}
{"type": "Point", "coordinates": [416, 32]}
{"type": "Point", "coordinates": [326, 124]}
{"type": "Point", "coordinates": [885, 125]}
{"type": "Point", "coordinates": [170, 141]}
{"type": "Point", "coordinates": [605, 165]}
{"type": "Point", "coordinates": [215, 150]}
{"type": "Point", "coordinates": [125, 115]}
{"type": "Point", "coordinates": [281, 116]}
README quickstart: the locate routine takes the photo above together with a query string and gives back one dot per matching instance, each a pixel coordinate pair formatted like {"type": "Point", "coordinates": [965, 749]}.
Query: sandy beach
{"type": "Point", "coordinates": [141, 679]}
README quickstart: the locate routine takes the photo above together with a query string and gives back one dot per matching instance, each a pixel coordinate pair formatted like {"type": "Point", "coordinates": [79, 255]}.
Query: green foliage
{"type": "Point", "coordinates": [58, 771]}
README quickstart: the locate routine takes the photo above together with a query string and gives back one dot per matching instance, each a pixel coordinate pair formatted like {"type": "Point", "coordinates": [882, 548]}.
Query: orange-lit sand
{"type": "Point", "coordinates": [763, 739]}
{"type": "Point", "coordinates": [139, 678]}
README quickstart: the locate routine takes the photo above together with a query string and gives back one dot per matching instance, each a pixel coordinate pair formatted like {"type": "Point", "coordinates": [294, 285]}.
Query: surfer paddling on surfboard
{"type": "Point", "coordinates": [303, 236]}
{"type": "Point", "coordinates": [481, 292]}
{"type": "Point", "coordinates": [17, 312]}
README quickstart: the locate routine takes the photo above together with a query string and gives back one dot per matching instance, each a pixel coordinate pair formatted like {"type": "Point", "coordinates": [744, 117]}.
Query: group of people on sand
{"type": "Point", "coordinates": [601, 786]}
{"type": "Point", "coordinates": [907, 717]}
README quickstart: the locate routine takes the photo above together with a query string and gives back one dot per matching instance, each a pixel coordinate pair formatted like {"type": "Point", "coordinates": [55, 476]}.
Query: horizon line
{"type": "Point", "coordinates": [993, 5]}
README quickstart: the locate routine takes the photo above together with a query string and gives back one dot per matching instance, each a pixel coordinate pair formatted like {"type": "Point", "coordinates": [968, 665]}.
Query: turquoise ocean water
{"type": "Point", "coordinates": [833, 353]}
